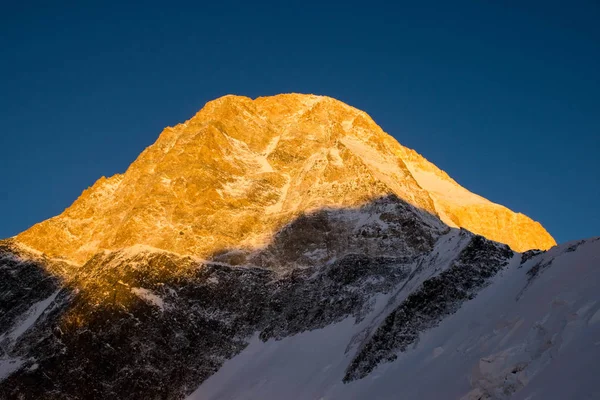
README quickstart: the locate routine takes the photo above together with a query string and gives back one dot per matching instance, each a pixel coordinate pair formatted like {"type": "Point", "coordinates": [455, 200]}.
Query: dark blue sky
{"type": "Point", "coordinates": [505, 97]}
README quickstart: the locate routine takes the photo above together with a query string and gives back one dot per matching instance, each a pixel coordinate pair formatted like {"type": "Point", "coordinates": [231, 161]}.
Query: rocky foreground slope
{"type": "Point", "coordinates": [255, 226]}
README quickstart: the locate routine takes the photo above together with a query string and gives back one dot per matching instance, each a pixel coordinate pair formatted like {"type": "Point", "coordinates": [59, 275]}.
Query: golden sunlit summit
{"type": "Point", "coordinates": [241, 169]}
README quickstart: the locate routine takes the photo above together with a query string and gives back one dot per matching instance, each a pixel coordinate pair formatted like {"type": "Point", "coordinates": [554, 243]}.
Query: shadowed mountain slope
{"type": "Point", "coordinates": [145, 323]}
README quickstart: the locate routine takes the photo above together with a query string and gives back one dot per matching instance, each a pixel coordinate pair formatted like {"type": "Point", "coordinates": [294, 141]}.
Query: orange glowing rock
{"type": "Point", "coordinates": [240, 169]}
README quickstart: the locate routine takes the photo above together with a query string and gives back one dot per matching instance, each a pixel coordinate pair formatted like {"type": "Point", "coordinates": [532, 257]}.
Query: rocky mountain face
{"type": "Point", "coordinates": [242, 169]}
{"type": "Point", "coordinates": [256, 221]}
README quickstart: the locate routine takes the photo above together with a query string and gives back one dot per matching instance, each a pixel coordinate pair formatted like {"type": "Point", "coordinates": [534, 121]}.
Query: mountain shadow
{"type": "Point", "coordinates": [148, 324]}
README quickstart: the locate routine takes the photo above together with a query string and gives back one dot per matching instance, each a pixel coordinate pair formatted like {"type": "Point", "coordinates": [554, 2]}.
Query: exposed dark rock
{"type": "Point", "coordinates": [105, 341]}
{"type": "Point", "coordinates": [141, 324]}
{"type": "Point", "coordinates": [438, 297]}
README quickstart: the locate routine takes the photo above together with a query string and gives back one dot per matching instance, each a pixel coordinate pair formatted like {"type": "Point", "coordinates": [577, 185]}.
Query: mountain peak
{"type": "Point", "coordinates": [241, 169]}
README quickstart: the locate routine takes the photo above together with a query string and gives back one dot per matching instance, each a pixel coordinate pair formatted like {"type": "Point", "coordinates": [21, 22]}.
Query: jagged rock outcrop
{"type": "Point", "coordinates": [241, 169]}
{"type": "Point", "coordinates": [423, 309]}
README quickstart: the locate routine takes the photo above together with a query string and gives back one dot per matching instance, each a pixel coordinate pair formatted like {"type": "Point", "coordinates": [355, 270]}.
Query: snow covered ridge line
{"type": "Point", "coordinates": [438, 297]}
{"type": "Point", "coordinates": [545, 346]}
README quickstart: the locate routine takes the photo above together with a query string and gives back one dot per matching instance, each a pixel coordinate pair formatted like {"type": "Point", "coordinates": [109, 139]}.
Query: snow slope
{"type": "Point", "coordinates": [534, 333]}
{"type": "Point", "coordinates": [10, 364]}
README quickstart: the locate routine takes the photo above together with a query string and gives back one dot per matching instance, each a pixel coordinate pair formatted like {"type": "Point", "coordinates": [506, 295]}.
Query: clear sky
{"type": "Point", "coordinates": [503, 95]}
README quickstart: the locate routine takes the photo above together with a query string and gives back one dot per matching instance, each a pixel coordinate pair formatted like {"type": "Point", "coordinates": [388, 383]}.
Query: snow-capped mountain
{"type": "Point", "coordinates": [286, 247]}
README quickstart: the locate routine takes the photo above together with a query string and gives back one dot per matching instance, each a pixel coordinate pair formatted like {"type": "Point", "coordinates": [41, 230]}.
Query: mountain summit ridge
{"type": "Point", "coordinates": [240, 169]}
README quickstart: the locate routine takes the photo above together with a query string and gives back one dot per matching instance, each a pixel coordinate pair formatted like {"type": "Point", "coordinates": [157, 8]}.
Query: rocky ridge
{"type": "Point", "coordinates": [241, 169]}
